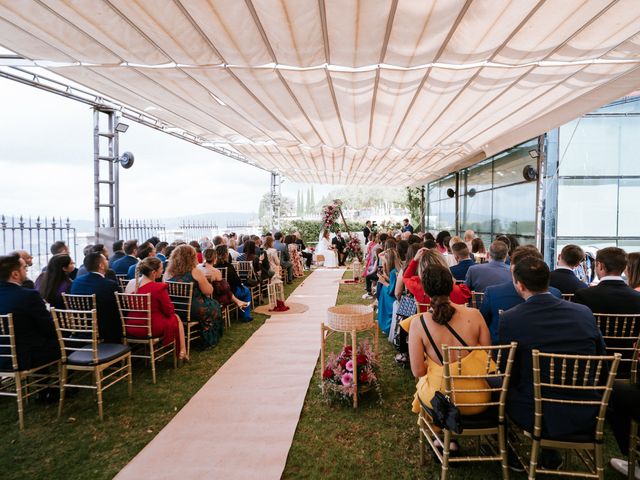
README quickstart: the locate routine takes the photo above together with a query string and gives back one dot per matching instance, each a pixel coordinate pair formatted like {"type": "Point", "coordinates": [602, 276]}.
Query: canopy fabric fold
{"type": "Point", "coordinates": [391, 92]}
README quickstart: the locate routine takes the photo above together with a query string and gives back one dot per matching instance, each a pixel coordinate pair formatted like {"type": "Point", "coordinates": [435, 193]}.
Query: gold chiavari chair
{"type": "Point", "coordinates": [105, 364]}
{"type": "Point", "coordinates": [621, 335]}
{"type": "Point", "coordinates": [79, 302]}
{"type": "Point", "coordinates": [574, 381]}
{"type": "Point", "coordinates": [227, 310]}
{"type": "Point", "coordinates": [135, 314]}
{"type": "Point", "coordinates": [23, 384]}
{"type": "Point", "coordinates": [181, 295]}
{"type": "Point", "coordinates": [476, 299]}
{"type": "Point", "coordinates": [122, 283]}
{"type": "Point", "coordinates": [568, 297]}
{"type": "Point", "coordinates": [461, 387]}
{"type": "Point", "coordinates": [246, 272]}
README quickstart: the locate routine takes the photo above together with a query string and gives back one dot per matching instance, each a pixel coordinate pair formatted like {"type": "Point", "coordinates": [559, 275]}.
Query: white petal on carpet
{"type": "Point", "coordinates": [241, 423]}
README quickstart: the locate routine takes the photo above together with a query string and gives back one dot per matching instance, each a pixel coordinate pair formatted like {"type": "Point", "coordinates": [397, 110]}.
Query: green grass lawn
{"type": "Point", "coordinates": [373, 442]}
{"type": "Point", "coordinates": [79, 446]}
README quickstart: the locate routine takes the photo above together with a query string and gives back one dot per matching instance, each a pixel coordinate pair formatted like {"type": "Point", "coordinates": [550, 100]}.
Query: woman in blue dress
{"type": "Point", "coordinates": [391, 264]}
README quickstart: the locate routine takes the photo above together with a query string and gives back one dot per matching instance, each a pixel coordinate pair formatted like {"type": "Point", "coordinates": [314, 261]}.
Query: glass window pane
{"type": "Point", "coordinates": [514, 209]}
{"type": "Point", "coordinates": [476, 212]}
{"type": "Point", "coordinates": [584, 243]}
{"type": "Point", "coordinates": [628, 209]}
{"type": "Point", "coordinates": [629, 245]}
{"type": "Point", "coordinates": [629, 146]}
{"type": "Point", "coordinates": [590, 146]}
{"type": "Point", "coordinates": [478, 177]}
{"type": "Point", "coordinates": [587, 207]}
{"type": "Point", "coordinates": [508, 166]}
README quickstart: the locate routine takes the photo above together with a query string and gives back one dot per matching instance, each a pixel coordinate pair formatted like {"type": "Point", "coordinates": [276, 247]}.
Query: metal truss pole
{"type": "Point", "coordinates": [276, 200]}
{"type": "Point", "coordinates": [105, 176]}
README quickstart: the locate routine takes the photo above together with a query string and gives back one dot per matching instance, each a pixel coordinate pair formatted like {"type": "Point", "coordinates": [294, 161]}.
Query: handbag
{"type": "Point", "coordinates": [444, 413]}
{"type": "Point", "coordinates": [406, 307]}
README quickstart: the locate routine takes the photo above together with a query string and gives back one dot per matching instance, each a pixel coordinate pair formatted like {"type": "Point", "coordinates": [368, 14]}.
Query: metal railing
{"type": "Point", "coordinates": [142, 229]}
{"type": "Point", "coordinates": [194, 230]}
{"type": "Point", "coordinates": [36, 237]}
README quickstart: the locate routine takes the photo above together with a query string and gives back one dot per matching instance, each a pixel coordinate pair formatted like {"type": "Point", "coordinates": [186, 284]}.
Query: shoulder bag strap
{"type": "Point", "coordinates": [455, 334]}
{"type": "Point", "coordinates": [433, 344]}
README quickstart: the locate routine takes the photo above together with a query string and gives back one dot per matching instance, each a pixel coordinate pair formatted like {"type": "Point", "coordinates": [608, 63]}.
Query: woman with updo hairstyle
{"type": "Point", "coordinates": [423, 258]}
{"type": "Point", "coordinates": [242, 294]}
{"type": "Point", "coordinates": [164, 320]}
{"type": "Point", "coordinates": [55, 280]}
{"type": "Point", "coordinates": [221, 289]}
{"type": "Point", "coordinates": [632, 271]}
{"type": "Point", "coordinates": [183, 267]}
{"type": "Point", "coordinates": [447, 324]}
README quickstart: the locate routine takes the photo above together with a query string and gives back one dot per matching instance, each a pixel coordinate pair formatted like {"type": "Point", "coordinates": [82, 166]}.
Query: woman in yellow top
{"type": "Point", "coordinates": [447, 324]}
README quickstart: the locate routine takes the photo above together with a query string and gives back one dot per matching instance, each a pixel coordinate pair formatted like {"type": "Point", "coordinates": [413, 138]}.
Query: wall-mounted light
{"type": "Point", "coordinates": [121, 127]}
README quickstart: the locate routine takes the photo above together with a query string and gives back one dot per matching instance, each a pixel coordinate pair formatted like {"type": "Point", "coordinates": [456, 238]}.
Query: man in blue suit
{"type": "Point", "coordinates": [121, 267]}
{"type": "Point", "coordinates": [36, 338]}
{"type": "Point", "coordinates": [109, 326]}
{"type": "Point", "coordinates": [551, 325]}
{"type": "Point", "coordinates": [563, 277]}
{"type": "Point", "coordinates": [494, 272]}
{"type": "Point", "coordinates": [505, 296]}
{"type": "Point", "coordinates": [461, 253]}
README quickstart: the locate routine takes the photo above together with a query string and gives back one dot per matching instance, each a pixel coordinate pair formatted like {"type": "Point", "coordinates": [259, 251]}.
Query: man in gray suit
{"type": "Point", "coordinates": [494, 272]}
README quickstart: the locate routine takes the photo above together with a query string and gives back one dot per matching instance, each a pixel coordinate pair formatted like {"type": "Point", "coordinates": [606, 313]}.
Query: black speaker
{"type": "Point", "coordinates": [126, 160]}
{"type": "Point", "coordinates": [471, 192]}
{"type": "Point", "coordinates": [451, 192]}
{"type": "Point", "coordinates": [530, 173]}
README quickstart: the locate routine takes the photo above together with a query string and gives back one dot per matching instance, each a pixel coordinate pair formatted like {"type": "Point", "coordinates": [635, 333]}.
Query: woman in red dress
{"type": "Point", "coordinates": [164, 320]}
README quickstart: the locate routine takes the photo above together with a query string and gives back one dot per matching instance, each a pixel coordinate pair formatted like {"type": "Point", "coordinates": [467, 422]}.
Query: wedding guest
{"type": "Point", "coordinates": [94, 282]}
{"type": "Point", "coordinates": [164, 320]}
{"type": "Point", "coordinates": [221, 290]}
{"type": "Point", "coordinates": [28, 259]}
{"type": "Point", "coordinates": [294, 255]}
{"type": "Point", "coordinates": [195, 244]}
{"type": "Point", "coordinates": [623, 407]}
{"type": "Point", "coordinates": [55, 281]}
{"type": "Point", "coordinates": [447, 324]}
{"type": "Point", "coordinates": [494, 272]}
{"type": "Point", "coordinates": [285, 261]}
{"type": "Point", "coordinates": [477, 248]}
{"type": "Point", "coordinates": [612, 294]}
{"type": "Point", "coordinates": [161, 250]}
{"type": "Point", "coordinates": [461, 254]}
{"type": "Point", "coordinates": [387, 281]}
{"type": "Point", "coordinates": [563, 277]}
{"type": "Point", "coordinates": [182, 267]}
{"type": "Point", "coordinates": [371, 271]}
{"type": "Point", "coordinates": [117, 254]}
{"type": "Point", "coordinates": [233, 279]}
{"type": "Point", "coordinates": [98, 248]}
{"type": "Point", "coordinates": [308, 256]}
{"type": "Point", "coordinates": [145, 250]}
{"type": "Point", "coordinates": [442, 240]}
{"type": "Point", "coordinates": [121, 267]}
{"type": "Point", "coordinates": [366, 231]}
{"type": "Point", "coordinates": [633, 271]}
{"type": "Point", "coordinates": [340, 246]}
{"type": "Point", "coordinates": [35, 334]}
{"type": "Point", "coordinates": [549, 324]}
{"type": "Point", "coordinates": [406, 226]}
{"type": "Point", "coordinates": [61, 247]}
{"type": "Point", "coordinates": [469, 235]}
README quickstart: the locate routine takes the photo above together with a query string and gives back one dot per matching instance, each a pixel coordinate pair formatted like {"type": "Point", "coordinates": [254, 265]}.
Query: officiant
{"type": "Point", "coordinates": [340, 245]}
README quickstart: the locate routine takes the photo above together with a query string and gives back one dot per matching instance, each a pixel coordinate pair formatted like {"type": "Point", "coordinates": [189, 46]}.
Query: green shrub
{"type": "Point", "coordinates": [310, 229]}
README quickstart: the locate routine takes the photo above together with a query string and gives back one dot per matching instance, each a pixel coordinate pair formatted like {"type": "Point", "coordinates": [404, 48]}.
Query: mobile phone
{"type": "Point", "coordinates": [380, 271]}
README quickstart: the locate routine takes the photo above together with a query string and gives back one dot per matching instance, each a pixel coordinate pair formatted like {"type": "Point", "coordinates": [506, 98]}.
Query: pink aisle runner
{"type": "Point", "coordinates": [241, 423]}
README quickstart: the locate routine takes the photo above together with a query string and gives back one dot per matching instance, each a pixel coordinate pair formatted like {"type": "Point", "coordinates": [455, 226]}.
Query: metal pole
{"type": "Point", "coordinates": [115, 186]}
{"type": "Point", "coordinates": [96, 171]}
{"type": "Point", "coordinates": [540, 200]}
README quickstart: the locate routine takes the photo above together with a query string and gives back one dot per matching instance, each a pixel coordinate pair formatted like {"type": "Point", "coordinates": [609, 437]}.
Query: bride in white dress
{"type": "Point", "coordinates": [325, 248]}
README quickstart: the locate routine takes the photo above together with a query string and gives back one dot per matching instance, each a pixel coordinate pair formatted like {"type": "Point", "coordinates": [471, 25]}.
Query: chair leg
{"type": "Point", "coordinates": [533, 462]}
{"type": "Point", "coordinates": [446, 444]}
{"type": "Point", "coordinates": [98, 374]}
{"type": "Point", "coordinates": [502, 445]}
{"type": "Point", "coordinates": [188, 342]}
{"type": "Point", "coordinates": [175, 355]}
{"type": "Point", "coordinates": [152, 359]}
{"type": "Point", "coordinates": [423, 457]}
{"type": "Point", "coordinates": [633, 446]}
{"type": "Point", "coordinates": [599, 462]}
{"type": "Point", "coordinates": [130, 369]}
{"type": "Point", "coordinates": [62, 377]}
{"type": "Point", "coordinates": [20, 401]}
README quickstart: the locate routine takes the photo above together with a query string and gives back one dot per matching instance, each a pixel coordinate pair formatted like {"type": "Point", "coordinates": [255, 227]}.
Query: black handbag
{"type": "Point", "coordinates": [444, 413]}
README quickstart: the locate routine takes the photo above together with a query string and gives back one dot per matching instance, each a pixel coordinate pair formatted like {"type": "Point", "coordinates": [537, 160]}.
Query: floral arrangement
{"type": "Point", "coordinates": [330, 213]}
{"type": "Point", "coordinates": [354, 248]}
{"type": "Point", "coordinates": [338, 375]}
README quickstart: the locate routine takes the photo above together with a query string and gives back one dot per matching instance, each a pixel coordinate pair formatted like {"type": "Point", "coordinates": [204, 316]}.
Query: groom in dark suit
{"type": "Point", "coordinates": [109, 325]}
{"type": "Point", "coordinates": [340, 245]}
{"type": "Point", "coordinates": [36, 338]}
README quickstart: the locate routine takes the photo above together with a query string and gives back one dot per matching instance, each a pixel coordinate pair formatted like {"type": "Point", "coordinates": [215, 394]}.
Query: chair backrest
{"type": "Point", "coordinates": [578, 380]}
{"type": "Point", "coordinates": [568, 297]}
{"type": "Point", "coordinates": [8, 340]}
{"type": "Point", "coordinates": [181, 294]}
{"type": "Point", "coordinates": [223, 271]}
{"type": "Point", "coordinates": [423, 307]}
{"type": "Point", "coordinates": [133, 308]}
{"type": "Point", "coordinates": [621, 333]}
{"type": "Point", "coordinates": [476, 299]}
{"type": "Point", "coordinates": [121, 276]}
{"type": "Point", "coordinates": [75, 329]}
{"type": "Point", "coordinates": [493, 379]}
{"type": "Point", "coordinates": [245, 269]}
{"type": "Point", "coordinates": [79, 302]}
{"type": "Point", "coordinates": [122, 283]}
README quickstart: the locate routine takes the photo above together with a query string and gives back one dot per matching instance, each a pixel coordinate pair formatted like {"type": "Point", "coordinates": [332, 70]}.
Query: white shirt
{"type": "Point", "coordinates": [612, 277]}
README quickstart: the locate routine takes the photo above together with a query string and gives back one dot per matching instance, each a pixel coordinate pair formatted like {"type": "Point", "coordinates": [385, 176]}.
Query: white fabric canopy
{"type": "Point", "coordinates": [390, 92]}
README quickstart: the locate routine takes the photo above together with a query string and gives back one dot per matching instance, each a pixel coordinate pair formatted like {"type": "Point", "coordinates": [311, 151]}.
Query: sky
{"type": "Point", "coordinates": [46, 165]}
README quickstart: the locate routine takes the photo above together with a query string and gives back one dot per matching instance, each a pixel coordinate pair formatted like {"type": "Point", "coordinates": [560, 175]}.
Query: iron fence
{"type": "Point", "coordinates": [36, 237]}
{"type": "Point", "coordinates": [194, 230]}
{"type": "Point", "coordinates": [142, 229]}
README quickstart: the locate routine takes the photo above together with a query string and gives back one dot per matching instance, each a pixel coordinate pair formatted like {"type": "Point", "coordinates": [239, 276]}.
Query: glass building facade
{"type": "Point", "coordinates": [588, 194]}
